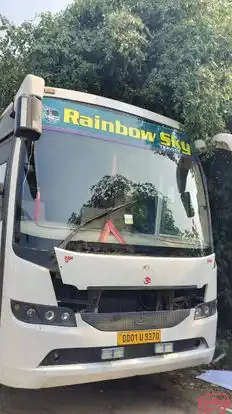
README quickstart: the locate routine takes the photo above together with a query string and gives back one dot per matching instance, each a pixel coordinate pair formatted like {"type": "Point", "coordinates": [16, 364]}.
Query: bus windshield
{"type": "Point", "coordinates": [115, 194]}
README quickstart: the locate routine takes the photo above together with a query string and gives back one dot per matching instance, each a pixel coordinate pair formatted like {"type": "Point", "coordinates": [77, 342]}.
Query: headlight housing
{"type": "Point", "coordinates": [42, 314]}
{"type": "Point", "coordinates": [204, 310]}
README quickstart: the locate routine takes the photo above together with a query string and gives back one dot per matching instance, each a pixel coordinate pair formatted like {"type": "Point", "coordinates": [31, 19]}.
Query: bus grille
{"type": "Point", "coordinates": [112, 322]}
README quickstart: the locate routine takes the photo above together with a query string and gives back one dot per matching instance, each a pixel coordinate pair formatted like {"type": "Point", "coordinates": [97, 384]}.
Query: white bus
{"type": "Point", "coordinates": [107, 261]}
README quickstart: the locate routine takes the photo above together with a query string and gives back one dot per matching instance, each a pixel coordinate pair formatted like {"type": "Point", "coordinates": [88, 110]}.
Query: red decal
{"type": "Point", "coordinates": [110, 228]}
{"type": "Point", "coordinates": [209, 261]}
{"type": "Point", "coordinates": [37, 206]}
{"type": "Point", "coordinates": [147, 280]}
{"type": "Point", "coordinates": [213, 403]}
{"type": "Point", "coordinates": [68, 258]}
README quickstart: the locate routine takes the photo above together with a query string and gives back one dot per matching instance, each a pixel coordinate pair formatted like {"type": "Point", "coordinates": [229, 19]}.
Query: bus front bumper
{"type": "Point", "coordinates": [55, 376]}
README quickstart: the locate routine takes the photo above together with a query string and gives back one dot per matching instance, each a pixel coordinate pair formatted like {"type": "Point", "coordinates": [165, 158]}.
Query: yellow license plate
{"type": "Point", "coordinates": [139, 337]}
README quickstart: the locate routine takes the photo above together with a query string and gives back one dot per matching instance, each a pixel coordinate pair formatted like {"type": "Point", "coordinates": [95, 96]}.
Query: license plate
{"type": "Point", "coordinates": [139, 337]}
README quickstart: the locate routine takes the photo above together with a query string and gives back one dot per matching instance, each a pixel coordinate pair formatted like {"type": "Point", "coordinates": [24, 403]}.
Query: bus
{"type": "Point", "coordinates": [107, 261]}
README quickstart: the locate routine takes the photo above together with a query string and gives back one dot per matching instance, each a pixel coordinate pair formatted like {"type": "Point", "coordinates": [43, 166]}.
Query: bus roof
{"type": "Point", "coordinates": [111, 104]}
{"type": "Point", "coordinates": [34, 85]}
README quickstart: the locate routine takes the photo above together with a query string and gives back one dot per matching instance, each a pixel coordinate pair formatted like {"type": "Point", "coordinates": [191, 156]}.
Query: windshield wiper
{"type": "Point", "coordinates": [90, 220]}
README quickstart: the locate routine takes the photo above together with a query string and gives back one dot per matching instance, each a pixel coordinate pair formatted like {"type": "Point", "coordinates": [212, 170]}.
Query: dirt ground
{"type": "Point", "coordinates": [174, 393]}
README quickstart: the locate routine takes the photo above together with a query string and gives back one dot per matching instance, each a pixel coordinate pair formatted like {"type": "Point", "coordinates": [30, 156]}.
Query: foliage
{"type": "Point", "coordinates": [218, 168]}
{"type": "Point", "coordinates": [12, 59]}
{"type": "Point", "coordinates": [172, 58]}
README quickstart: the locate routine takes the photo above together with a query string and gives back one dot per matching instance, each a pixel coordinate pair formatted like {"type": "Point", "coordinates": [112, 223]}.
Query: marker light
{"type": "Point", "coordinates": [49, 315]}
{"type": "Point", "coordinates": [31, 313]}
{"type": "Point", "coordinates": [65, 316]}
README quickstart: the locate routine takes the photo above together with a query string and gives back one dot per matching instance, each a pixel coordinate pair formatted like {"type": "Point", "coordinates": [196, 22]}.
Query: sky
{"type": "Point", "coordinates": [20, 10]}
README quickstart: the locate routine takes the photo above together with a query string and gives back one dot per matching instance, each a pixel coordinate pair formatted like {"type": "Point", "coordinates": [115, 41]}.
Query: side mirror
{"type": "Point", "coordinates": [186, 200]}
{"type": "Point", "coordinates": [28, 117]}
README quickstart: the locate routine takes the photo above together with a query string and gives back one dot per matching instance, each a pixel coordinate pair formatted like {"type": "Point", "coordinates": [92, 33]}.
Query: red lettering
{"type": "Point", "coordinates": [68, 258]}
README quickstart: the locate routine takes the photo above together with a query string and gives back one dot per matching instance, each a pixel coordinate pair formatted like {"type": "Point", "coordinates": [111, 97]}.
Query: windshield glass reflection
{"type": "Point", "coordinates": [66, 181]}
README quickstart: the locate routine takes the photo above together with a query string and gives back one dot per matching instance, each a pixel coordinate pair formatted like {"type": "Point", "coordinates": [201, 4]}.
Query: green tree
{"type": "Point", "coordinates": [218, 170]}
{"type": "Point", "coordinates": [14, 44]}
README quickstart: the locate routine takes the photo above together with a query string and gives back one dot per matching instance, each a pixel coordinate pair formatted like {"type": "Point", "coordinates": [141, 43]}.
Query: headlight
{"type": "Point", "coordinates": [43, 315]}
{"type": "Point", "coordinates": [204, 310]}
